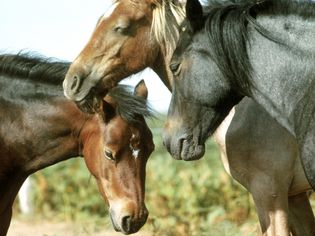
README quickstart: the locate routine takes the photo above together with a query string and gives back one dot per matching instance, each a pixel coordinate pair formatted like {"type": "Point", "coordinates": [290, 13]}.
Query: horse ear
{"type": "Point", "coordinates": [141, 90]}
{"type": "Point", "coordinates": [194, 14]}
{"type": "Point", "coordinates": [108, 110]}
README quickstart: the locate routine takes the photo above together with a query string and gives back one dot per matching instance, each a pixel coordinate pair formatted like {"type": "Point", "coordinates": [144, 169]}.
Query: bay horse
{"type": "Point", "coordinates": [259, 166]}
{"type": "Point", "coordinates": [40, 127]}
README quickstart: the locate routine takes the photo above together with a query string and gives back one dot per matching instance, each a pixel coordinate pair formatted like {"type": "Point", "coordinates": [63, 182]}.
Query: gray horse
{"type": "Point", "coordinates": [263, 157]}
{"type": "Point", "coordinates": [258, 165]}
{"type": "Point", "coordinates": [260, 49]}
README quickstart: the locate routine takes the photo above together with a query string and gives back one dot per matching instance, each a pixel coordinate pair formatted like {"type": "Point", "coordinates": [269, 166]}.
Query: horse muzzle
{"type": "Point", "coordinates": [128, 223]}
{"type": "Point", "coordinates": [183, 148]}
{"type": "Point", "coordinates": [190, 151]}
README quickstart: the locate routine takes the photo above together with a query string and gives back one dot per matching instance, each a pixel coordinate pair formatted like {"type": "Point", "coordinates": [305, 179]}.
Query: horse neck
{"type": "Point", "coordinates": [161, 68]}
{"type": "Point", "coordinates": [284, 83]}
{"type": "Point", "coordinates": [63, 127]}
{"type": "Point", "coordinates": [290, 69]}
{"type": "Point", "coordinates": [41, 122]}
{"type": "Point", "coordinates": [166, 20]}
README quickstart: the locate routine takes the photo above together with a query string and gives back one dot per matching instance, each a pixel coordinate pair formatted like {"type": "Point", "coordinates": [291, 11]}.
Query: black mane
{"type": "Point", "coordinates": [130, 106]}
{"type": "Point", "coordinates": [48, 70]}
{"type": "Point", "coordinates": [28, 66]}
{"type": "Point", "coordinates": [226, 25]}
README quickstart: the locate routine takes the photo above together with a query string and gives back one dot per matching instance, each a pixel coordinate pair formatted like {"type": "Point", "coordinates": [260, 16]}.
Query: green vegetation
{"type": "Point", "coordinates": [184, 198]}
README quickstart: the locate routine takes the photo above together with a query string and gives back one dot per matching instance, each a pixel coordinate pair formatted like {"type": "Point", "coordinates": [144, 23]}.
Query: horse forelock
{"type": "Point", "coordinates": [167, 16]}
{"type": "Point", "coordinates": [128, 105]}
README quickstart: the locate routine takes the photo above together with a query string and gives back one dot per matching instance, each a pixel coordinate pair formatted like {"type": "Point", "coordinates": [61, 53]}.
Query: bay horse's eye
{"type": "Point", "coordinates": [109, 155]}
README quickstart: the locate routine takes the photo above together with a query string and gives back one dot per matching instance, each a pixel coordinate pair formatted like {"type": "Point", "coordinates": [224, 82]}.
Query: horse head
{"type": "Point", "coordinates": [120, 32]}
{"type": "Point", "coordinates": [126, 40]}
{"type": "Point", "coordinates": [116, 152]}
{"type": "Point", "coordinates": [201, 96]}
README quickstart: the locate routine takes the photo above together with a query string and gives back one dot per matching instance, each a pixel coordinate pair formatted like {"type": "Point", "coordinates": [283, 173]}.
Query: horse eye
{"type": "Point", "coordinates": [121, 26]}
{"type": "Point", "coordinates": [119, 29]}
{"type": "Point", "coordinates": [109, 155]}
{"type": "Point", "coordinates": [174, 67]}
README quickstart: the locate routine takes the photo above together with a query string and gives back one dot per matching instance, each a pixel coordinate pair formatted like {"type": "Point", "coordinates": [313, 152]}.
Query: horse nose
{"type": "Point", "coordinates": [75, 83]}
{"type": "Point", "coordinates": [71, 85]}
{"type": "Point", "coordinates": [166, 141]}
{"type": "Point", "coordinates": [130, 225]}
{"type": "Point", "coordinates": [126, 224]}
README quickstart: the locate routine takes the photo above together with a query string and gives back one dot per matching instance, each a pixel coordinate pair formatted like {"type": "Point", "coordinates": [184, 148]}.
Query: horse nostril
{"type": "Point", "coordinates": [145, 213]}
{"type": "Point", "coordinates": [166, 142]}
{"type": "Point", "coordinates": [75, 82]}
{"type": "Point", "coordinates": [126, 224]}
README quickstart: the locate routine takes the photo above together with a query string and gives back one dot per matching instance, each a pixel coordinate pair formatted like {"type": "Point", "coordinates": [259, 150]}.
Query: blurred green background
{"type": "Point", "coordinates": [183, 198]}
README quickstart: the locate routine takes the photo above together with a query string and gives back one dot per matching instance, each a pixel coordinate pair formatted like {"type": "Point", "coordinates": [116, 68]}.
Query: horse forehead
{"type": "Point", "coordinates": [125, 7]}
{"type": "Point", "coordinates": [118, 127]}
{"type": "Point", "coordinates": [120, 132]}
{"type": "Point", "coordinates": [110, 11]}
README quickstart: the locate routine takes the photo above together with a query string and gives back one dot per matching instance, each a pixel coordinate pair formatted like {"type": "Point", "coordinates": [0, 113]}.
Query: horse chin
{"type": "Point", "coordinates": [183, 147]}
{"type": "Point", "coordinates": [76, 91]}
{"type": "Point", "coordinates": [190, 151]}
{"type": "Point", "coordinates": [91, 103]}
{"type": "Point", "coordinates": [115, 226]}
{"type": "Point", "coordinates": [81, 89]}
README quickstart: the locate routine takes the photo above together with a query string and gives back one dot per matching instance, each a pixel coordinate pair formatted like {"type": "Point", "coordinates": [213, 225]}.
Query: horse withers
{"type": "Point", "coordinates": [40, 127]}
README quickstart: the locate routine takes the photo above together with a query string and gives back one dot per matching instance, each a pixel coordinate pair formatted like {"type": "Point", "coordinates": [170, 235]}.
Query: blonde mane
{"type": "Point", "coordinates": [167, 16]}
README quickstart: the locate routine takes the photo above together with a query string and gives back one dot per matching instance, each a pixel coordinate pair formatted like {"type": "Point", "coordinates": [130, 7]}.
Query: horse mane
{"type": "Point", "coordinates": [130, 106]}
{"type": "Point", "coordinates": [226, 25]}
{"type": "Point", "coordinates": [167, 16]}
{"type": "Point", "coordinates": [29, 66]}
{"type": "Point", "coordinates": [49, 70]}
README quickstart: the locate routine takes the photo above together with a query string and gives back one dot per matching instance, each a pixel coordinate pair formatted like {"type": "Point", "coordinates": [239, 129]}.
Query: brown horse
{"type": "Point", "coordinates": [127, 39]}
{"type": "Point", "coordinates": [40, 127]}
{"type": "Point", "coordinates": [255, 150]}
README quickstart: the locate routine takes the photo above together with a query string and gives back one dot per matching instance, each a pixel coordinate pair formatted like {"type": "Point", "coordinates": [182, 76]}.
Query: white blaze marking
{"type": "Point", "coordinates": [135, 153]}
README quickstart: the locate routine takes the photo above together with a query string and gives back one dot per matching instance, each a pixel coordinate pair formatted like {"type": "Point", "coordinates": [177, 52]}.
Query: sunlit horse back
{"type": "Point", "coordinates": [40, 127]}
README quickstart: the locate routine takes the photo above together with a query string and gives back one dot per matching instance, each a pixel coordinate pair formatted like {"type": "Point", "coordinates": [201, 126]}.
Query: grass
{"type": "Point", "coordinates": [184, 198]}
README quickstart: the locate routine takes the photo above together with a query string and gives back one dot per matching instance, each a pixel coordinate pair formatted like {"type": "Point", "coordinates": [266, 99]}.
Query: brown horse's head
{"type": "Point", "coordinates": [116, 151]}
{"type": "Point", "coordinates": [126, 40]}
